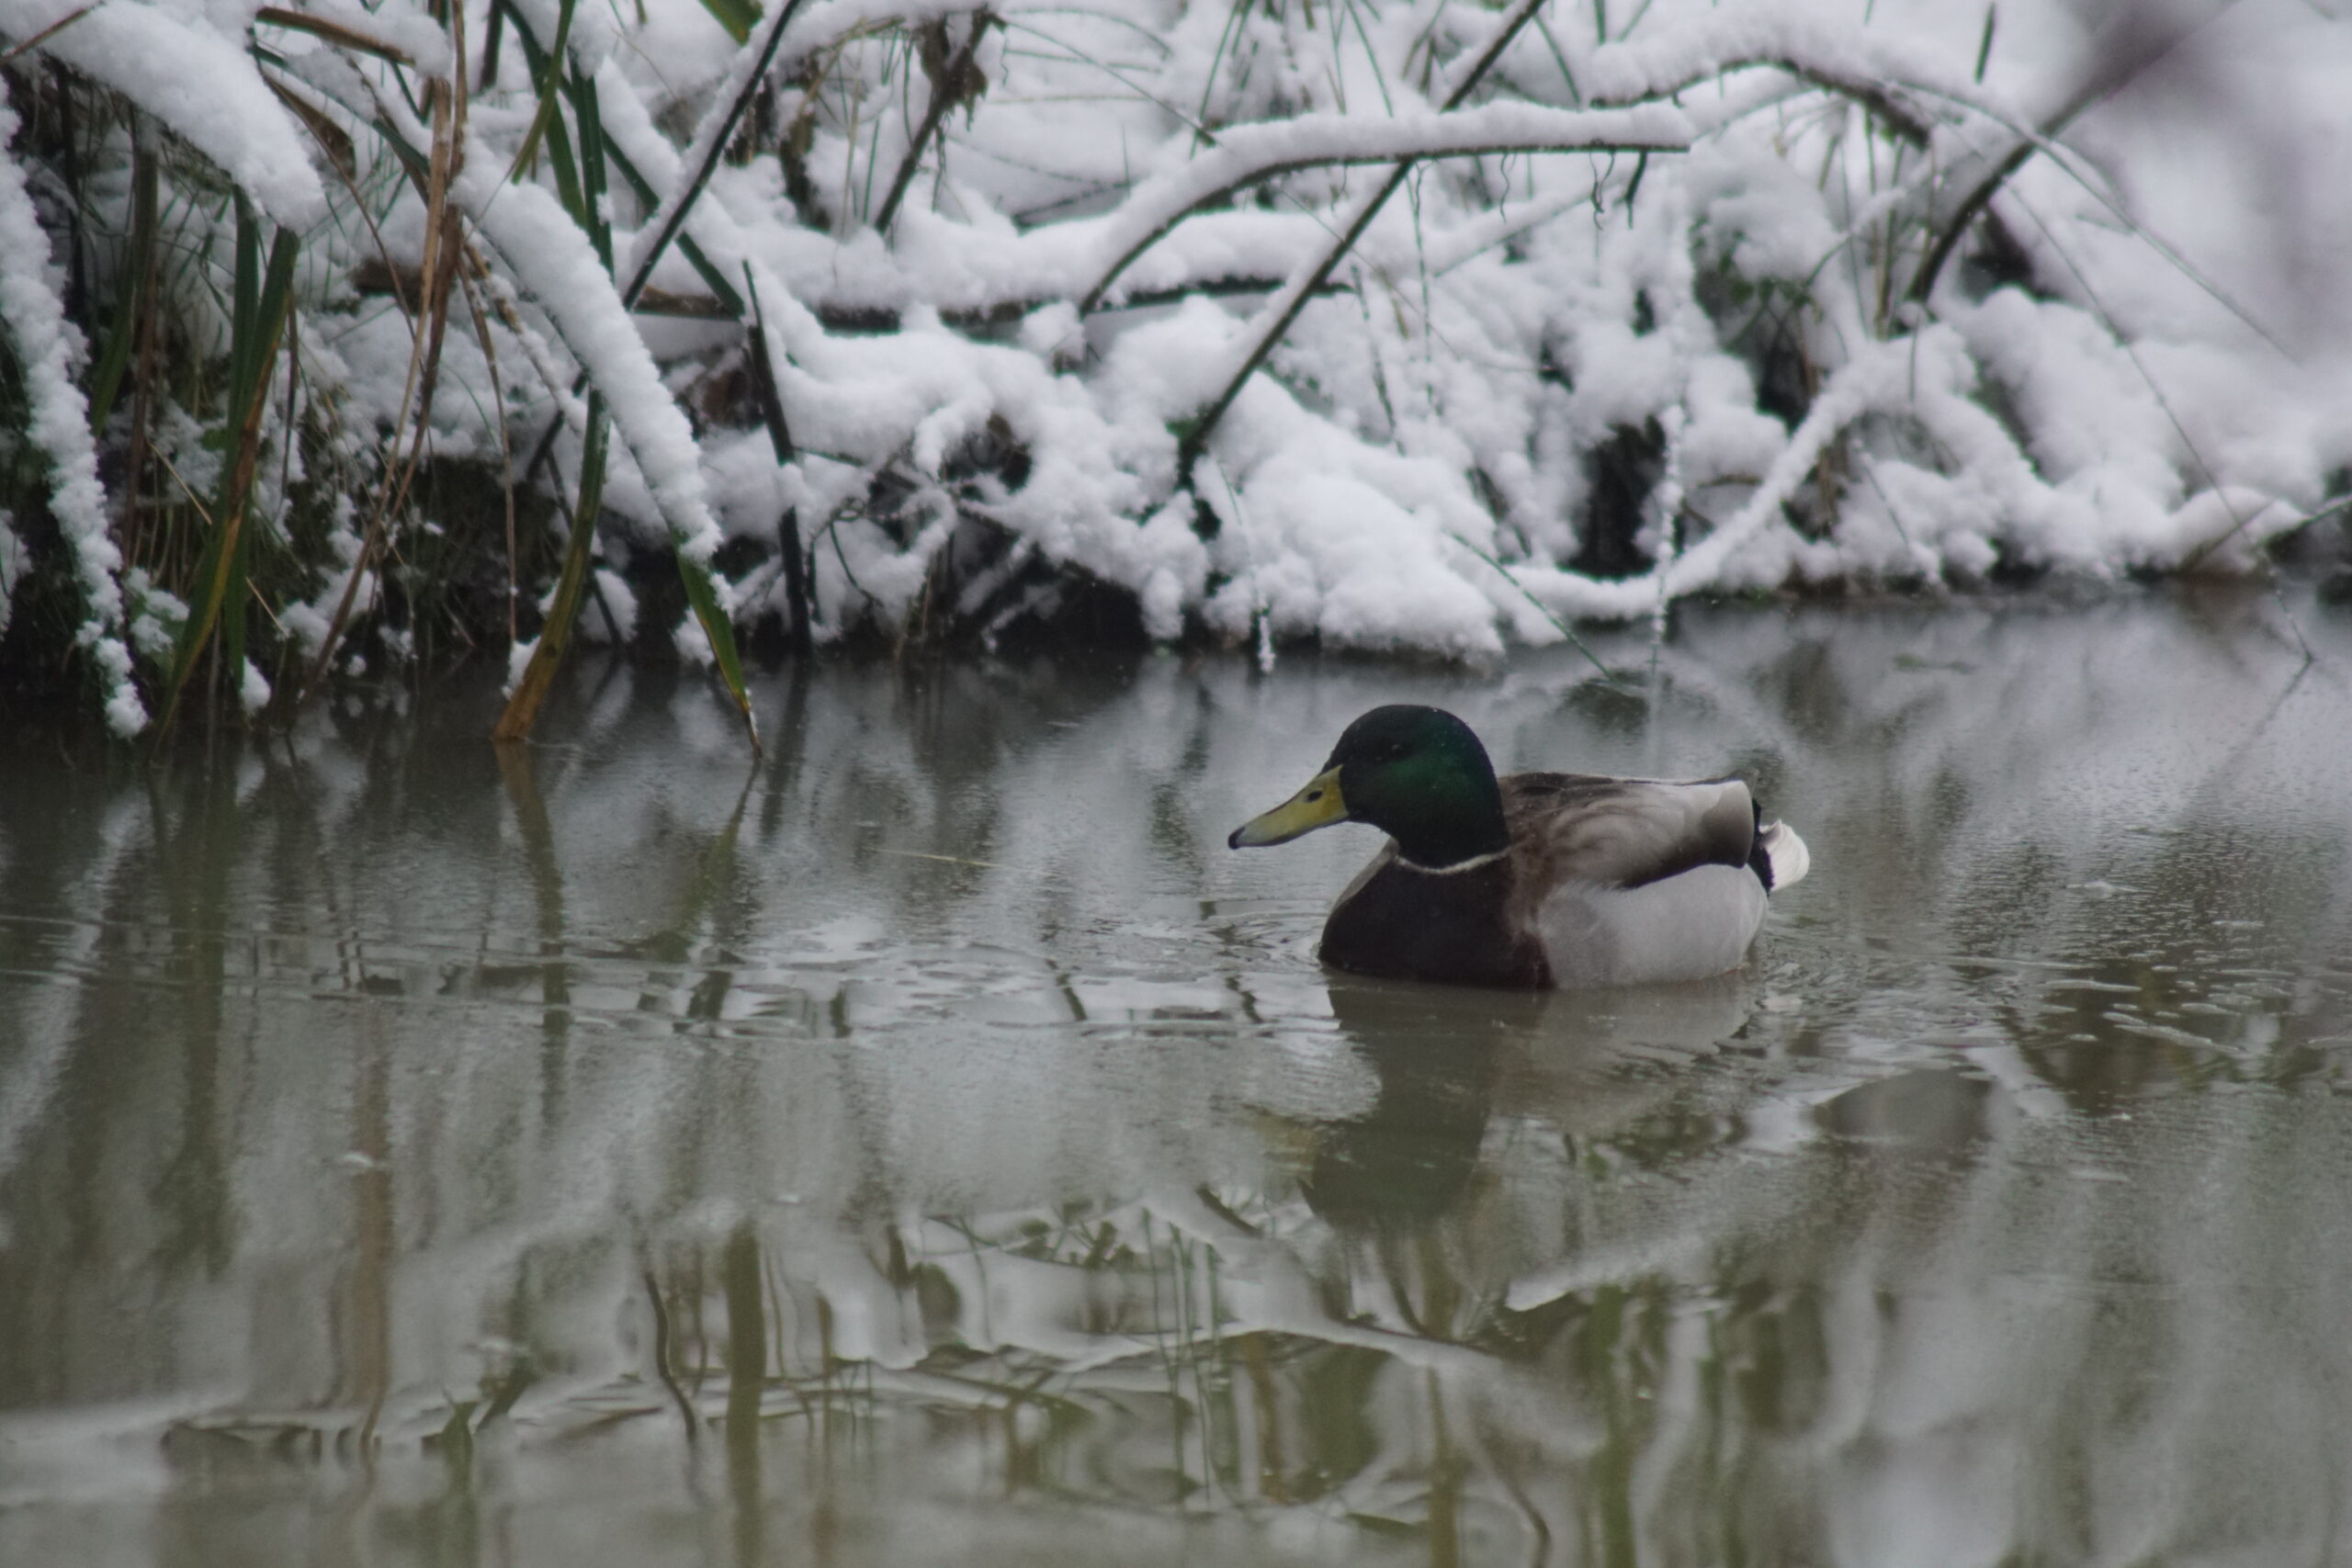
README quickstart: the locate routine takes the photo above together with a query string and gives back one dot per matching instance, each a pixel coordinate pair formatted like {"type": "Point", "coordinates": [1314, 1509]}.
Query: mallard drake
{"type": "Point", "coordinates": [1536, 879]}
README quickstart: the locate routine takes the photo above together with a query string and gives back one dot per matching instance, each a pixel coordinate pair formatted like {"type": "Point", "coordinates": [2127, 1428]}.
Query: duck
{"type": "Point", "coordinates": [1531, 881]}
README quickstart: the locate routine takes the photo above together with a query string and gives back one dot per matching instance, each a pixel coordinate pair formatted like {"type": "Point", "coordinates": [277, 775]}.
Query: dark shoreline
{"type": "Point", "coordinates": [61, 710]}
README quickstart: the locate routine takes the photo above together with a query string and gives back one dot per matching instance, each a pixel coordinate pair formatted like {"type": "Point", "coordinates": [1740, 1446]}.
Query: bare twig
{"type": "Point", "coordinates": [49, 31]}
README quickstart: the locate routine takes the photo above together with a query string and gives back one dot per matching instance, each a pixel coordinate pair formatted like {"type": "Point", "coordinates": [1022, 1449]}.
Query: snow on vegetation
{"type": "Point", "coordinates": [57, 420]}
{"type": "Point", "coordinates": [1421, 327]}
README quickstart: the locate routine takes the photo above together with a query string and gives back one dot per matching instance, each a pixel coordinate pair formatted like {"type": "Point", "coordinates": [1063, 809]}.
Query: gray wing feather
{"type": "Point", "coordinates": [1626, 832]}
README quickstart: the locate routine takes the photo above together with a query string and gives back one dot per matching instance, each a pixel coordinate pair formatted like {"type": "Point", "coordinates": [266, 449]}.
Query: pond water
{"type": "Point", "coordinates": [929, 1143]}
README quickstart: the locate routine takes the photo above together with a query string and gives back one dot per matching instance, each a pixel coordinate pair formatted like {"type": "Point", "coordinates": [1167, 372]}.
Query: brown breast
{"type": "Point", "coordinates": [1410, 924]}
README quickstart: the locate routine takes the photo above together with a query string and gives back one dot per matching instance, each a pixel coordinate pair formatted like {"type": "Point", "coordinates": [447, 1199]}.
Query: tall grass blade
{"type": "Point", "coordinates": [549, 68]}
{"type": "Point", "coordinates": [584, 194]}
{"type": "Point", "coordinates": [713, 279]}
{"type": "Point", "coordinates": [738, 16]}
{"type": "Point", "coordinates": [260, 305]}
{"type": "Point", "coordinates": [591, 211]}
{"type": "Point", "coordinates": [704, 596]}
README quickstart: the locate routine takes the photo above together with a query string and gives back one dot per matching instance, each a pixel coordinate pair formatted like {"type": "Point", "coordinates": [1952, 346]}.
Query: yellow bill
{"type": "Point", "coordinates": [1317, 806]}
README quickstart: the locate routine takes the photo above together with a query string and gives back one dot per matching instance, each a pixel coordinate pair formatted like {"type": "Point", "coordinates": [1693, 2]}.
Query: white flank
{"type": "Point", "coordinates": [1685, 928]}
{"type": "Point", "coordinates": [1791, 859]}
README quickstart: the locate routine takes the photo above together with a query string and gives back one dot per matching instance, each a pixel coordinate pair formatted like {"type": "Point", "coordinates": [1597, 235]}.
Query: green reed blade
{"type": "Point", "coordinates": [738, 16]}
{"type": "Point", "coordinates": [547, 66]}
{"type": "Point", "coordinates": [566, 167]}
{"type": "Point", "coordinates": [591, 215]}
{"type": "Point", "coordinates": [578, 157]}
{"type": "Point", "coordinates": [713, 279]}
{"type": "Point", "coordinates": [244, 299]}
{"type": "Point", "coordinates": [261, 301]}
{"type": "Point", "coordinates": [715, 626]}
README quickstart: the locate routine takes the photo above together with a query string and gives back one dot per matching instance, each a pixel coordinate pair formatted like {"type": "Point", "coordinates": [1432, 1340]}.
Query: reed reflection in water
{"type": "Point", "coordinates": [931, 1145]}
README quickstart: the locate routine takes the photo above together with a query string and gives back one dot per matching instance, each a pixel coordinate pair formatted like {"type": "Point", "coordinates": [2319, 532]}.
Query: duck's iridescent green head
{"type": "Point", "coordinates": [1417, 772]}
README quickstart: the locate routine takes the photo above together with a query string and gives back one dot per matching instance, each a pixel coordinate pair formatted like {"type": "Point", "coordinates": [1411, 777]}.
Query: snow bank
{"type": "Point", "coordinates": [1666, 307]}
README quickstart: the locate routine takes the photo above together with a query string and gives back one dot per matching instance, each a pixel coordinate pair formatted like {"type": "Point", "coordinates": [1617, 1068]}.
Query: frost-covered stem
{"type": "Point", "coordinates": [58, 422]}
{"type": "Point", "coordinates": [1875, 95]}
{"type": "Point", "coordinates": [1924, 283]}
{"type": "Point", "coordinates": [1284, 309]}
{"type": "Point", "coordinates": [1863, 66]}
{"type": "Point", "coordinates": [1276, 319]}
{"type": "Point", "coordinates": [710, 143]}
{"type": "Point", "coordinates": [546, 253]}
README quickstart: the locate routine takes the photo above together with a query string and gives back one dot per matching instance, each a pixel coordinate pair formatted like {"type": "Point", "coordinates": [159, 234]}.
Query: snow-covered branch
{"type": "Point", "coordinates": [1245, 154]}
{"type": "Point", "coordinates": [59, 424]}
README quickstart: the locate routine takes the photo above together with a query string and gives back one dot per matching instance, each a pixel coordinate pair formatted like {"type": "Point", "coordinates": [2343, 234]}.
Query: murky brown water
{"type": "Point", "coordinates": [932, 1146]}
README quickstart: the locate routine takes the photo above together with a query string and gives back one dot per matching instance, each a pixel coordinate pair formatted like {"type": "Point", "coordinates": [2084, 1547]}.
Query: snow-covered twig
{"type": "Point", "coordinates": [1245, 154]}
{"type": "Point", "coordinates": [59, 424]}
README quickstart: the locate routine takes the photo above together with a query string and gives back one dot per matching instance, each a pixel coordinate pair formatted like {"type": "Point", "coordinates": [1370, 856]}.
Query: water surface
{"type": "Point", "coordinates": [930, 1144]}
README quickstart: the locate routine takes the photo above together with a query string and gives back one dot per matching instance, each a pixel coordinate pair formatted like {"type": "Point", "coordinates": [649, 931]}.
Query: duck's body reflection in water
{"type": "Point", "coordinates": [1560, 1066]}
{"type": "Point", "coordinates": [1420, 1216]}
{"type": "Point", "coordinates": [1406, 1162]}
{"type": "Point", "coordinates": [1443, 1059]}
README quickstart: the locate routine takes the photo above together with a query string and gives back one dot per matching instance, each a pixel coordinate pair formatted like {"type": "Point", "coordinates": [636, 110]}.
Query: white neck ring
{"type": "Point", "coordinates": [1473, 863]}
